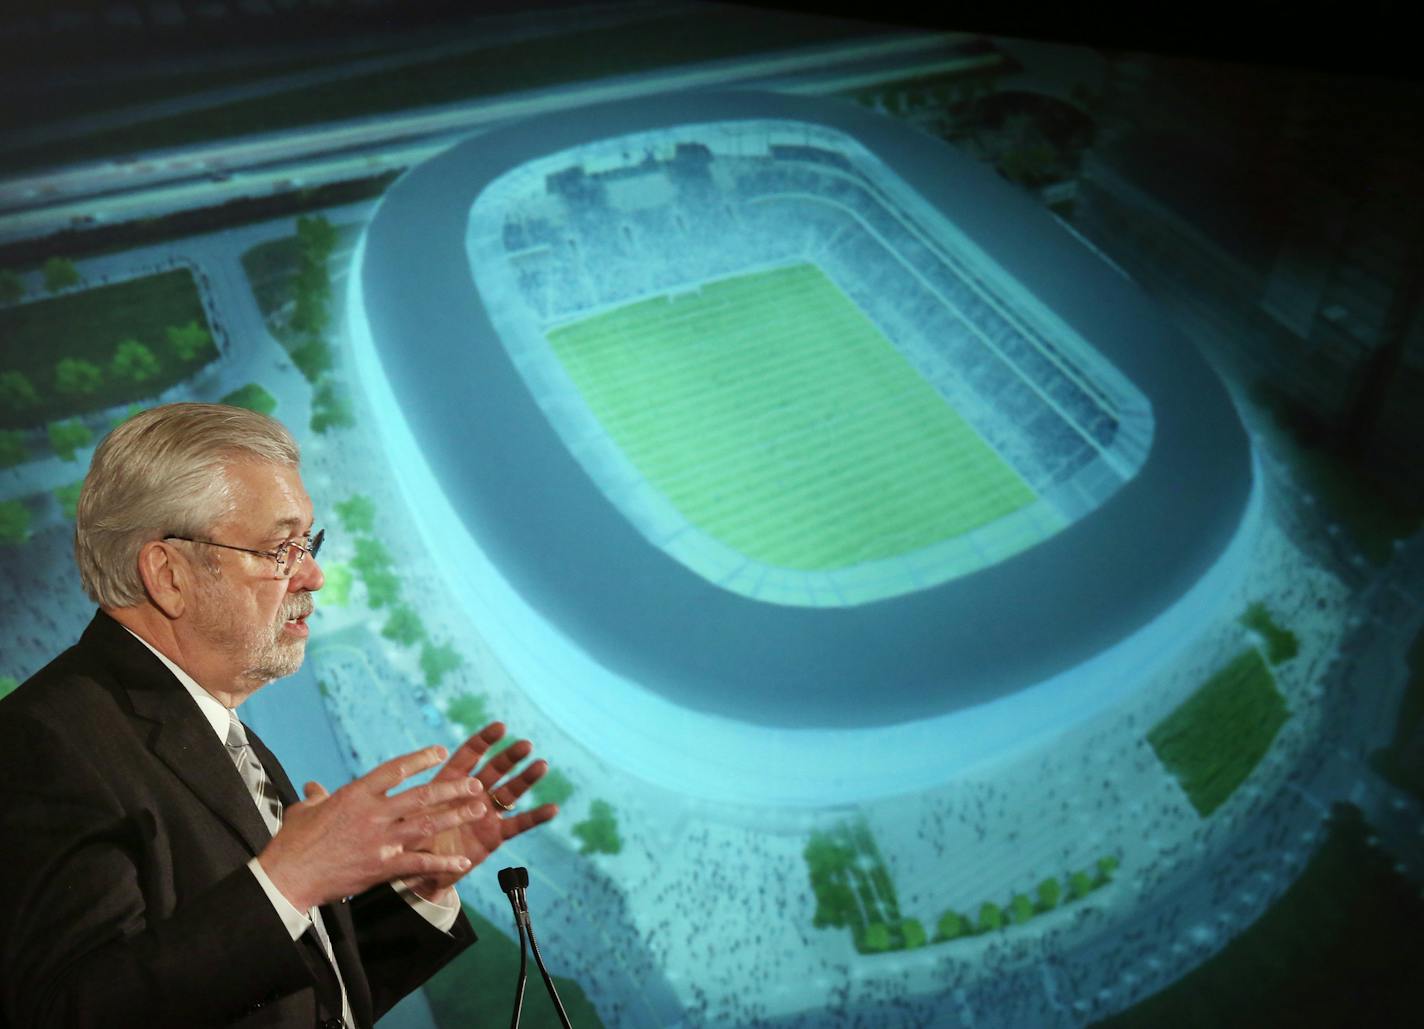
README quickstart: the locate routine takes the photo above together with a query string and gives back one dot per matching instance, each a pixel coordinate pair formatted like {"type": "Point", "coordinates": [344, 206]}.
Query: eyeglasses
{"type": "Point", "coordinates": [289, 555]}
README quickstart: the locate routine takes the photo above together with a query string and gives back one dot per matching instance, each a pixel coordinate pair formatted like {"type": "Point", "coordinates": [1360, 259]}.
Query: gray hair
{"type": "Point", "coordinates": [162, 473]}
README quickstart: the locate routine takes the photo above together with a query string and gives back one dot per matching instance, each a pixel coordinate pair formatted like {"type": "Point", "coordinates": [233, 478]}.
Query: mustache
{"type": "Point", "coordinates": [298, 607]}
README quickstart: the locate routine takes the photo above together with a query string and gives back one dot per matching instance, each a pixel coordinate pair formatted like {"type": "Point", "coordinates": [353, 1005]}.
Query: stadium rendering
{"type": "Point", "coordinates": [751, 421]}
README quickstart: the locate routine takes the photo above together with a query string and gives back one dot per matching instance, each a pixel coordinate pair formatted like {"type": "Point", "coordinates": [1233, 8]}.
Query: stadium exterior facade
{"type": "Point", "coordinates": [611, 634]}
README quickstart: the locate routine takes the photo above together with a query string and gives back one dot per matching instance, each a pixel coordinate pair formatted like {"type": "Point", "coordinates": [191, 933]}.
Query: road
{"type": "Point", "coordinates": [36, 204]}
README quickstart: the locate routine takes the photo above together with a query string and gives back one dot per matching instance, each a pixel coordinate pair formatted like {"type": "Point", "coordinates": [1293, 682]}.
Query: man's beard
{"type": "Point", "coordinates": [263, 652]}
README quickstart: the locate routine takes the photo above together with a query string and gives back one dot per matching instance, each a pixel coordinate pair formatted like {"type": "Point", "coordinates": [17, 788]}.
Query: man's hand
{"type": "Point", "coordinates": [478, 838]}
{"type": "Point", "coordinates": [337, 845]}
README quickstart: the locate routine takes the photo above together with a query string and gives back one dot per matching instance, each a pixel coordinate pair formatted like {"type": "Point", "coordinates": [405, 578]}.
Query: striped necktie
{"type": "Point", "coordinates": [269, 805]}
{"type": "Point", "coordinates": [264, 793]}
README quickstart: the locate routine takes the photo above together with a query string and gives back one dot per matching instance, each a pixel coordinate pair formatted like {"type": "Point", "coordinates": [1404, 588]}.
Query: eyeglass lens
{"type": "Point", "coordinates": [296, 551]}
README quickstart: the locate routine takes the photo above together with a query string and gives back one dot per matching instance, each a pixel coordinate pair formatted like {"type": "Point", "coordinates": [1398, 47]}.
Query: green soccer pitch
{"type": "Point", "coordinates": [779, 420]}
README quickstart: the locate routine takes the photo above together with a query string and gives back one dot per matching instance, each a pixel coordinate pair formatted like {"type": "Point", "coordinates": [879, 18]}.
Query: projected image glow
{"type": "Point", "coordinates": [953, 548]}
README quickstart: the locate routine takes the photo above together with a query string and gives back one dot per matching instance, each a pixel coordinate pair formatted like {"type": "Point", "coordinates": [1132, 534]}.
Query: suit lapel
{"type": "Point", "coordinates": [177, 733]}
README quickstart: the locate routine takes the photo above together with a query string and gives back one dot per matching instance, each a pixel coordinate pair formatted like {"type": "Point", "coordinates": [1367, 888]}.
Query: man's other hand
{"type": "Point", "coordinates": [336, 845]}
{"type": "Point", "coordinates": [477, 838]}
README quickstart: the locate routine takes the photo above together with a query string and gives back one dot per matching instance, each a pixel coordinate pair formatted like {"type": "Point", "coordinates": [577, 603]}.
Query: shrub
{"type": "Point", "coordinates": [876, 938]}
{"type": "Point", "coordinates": [60, 273]}
{"type": "Point", "coordinates": [74, 377]}
{"type": "Point", "coordinates": [253, 397]}
{"type": "Point", "coordinates": [1106, 867]}
{"type": "Point", "coordinates": [951, 926]}
{"type": "Point", "coordinates": [186, 342]}
{"type": "Point", "coordinates": [554, 788]}
{"type": "Point", "coordinates": [912, 934]}
{"type": "Point", "coordinates": [438, 660]}
{"type": "Point", "coordinates": [133, 363]}
{"type": "Point", "coordinates": [403, 626]}
{"type": "Point", "coordinates": [67, 437]}
{"type": "Point", "coordinates": [991, 917]}
{"type": "Point", "coordinates": [598, 834]}
{"type": "Point", "coordinates": [1020, 908]}
{"type": "Point", "coordinates": [12, 448]}
{"type": "Point", "coordinates": [14, 522]}
{"type": "Point", "coordinates": [1050, 892]}
{"type": "Point", "coordinates": [17, 392]}
{"type": "Point", "coordinates": [357, 514]}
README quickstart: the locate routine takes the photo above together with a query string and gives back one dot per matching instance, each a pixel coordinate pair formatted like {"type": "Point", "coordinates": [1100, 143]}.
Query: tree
{"type": "Point", "coordinates": [835, 905]}
{"type": "Point", "coordinates": [403, 626]}
{"type": "Point", "coordinates": [1020, 908]}
{"type": "Point", "coordinates": [68, 497]}
{"type": "Point", "coordinates": [12, 287]}
{"type": "Point", "coordinates": [876, 938]}
{"type": "Point", "coordinates": [129, 412]}
{"type": "Point", "coordinates": [827, 856]}
{"type": "Point", "coordinates": [311, 309]}
{"type": "Point", "coordinates": [134, 363]}
{"type": "Point", "coordinates": [991, 917]}
{"type": "Point", "coordinates": [438, 660]}
{"type": "Point", "coordinates": [60, 273]}
{"type": "Point", "coordinates": [1080, 884]}
{"type": "Point", "coordinates": [12, 448]}
{"type": "Point", "coordinates": [186, 342]}
{"type": "Point", "coordinates": [67, 437]}
{"type": "Point", "coordinates": [357, 513]}
{"type": "Point", "coordinates": [554, 788]}
{"type": "Point", "coordinates": [913, 933]}
{"type": "Point", "coordinates": [382, 587]}
{"type": "Point", "coordinates": [470, 711]}
{"type": "Point", "coordinates": [598, 834]}
{"type": "Point", "coordinates": [75, 377]}
{"type": "Point", "coordinates": [1106, 867]}
{"type": "Point", "coordinates": [951, 926]}
{"type": "Point", "coordinates": [8, 685]}
{"type": "Point", "coordinates": [17, 393]}
{"type": "Point", "coordinates": [14, 522]}
{"type": "Point", "coordinates": [371, 554]}
{"type": "Point", "coordinates": [1050, 892]}
{"type": "Point", "coordinates": [313, 359]}
{"type": "Point", "coordinates": [1281, 643]}
{"type": "Point", "coordinates": [330, 409]}
{"type": "Point", "coordinates": [253, 397]}
{"type": "Point", "coordinates": [316, 238]}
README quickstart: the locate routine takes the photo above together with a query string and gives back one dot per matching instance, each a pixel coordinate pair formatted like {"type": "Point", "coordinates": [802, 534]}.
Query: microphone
{"type": "Point", "coordinates": [513, 882]}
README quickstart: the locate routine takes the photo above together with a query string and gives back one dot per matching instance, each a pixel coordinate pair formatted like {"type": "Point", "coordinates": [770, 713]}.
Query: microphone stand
{"type": "Point", "coordinates": [508, 883]}
{"type": "Point", "coordinates": [513, 881]}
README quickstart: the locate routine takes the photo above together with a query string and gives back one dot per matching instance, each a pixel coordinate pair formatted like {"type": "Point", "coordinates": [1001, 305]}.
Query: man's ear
{"type": "Point", "coordinates": [166, 577]}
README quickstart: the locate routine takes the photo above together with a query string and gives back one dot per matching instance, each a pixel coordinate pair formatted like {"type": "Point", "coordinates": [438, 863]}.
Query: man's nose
{"type": "Point", "coordinates": [308, 576]}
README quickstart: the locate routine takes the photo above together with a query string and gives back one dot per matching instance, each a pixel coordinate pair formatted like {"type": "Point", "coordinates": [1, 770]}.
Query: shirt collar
{"type": "Point", "coordinates": [214, 710]}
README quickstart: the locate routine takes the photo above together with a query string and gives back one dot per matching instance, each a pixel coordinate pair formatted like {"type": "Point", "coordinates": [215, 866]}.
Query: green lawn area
{"type": "Point", "coordinates": [779, 420]}
{"type": "Point", "coordinates": [1213, 741]}
{"type": "Point", "coordinates": [88, 325]}
{"type": "Point", "coordinates": [477, 988]}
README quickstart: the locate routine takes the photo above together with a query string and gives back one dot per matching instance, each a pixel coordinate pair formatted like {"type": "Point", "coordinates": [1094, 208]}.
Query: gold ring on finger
{"type": "Point", "coordinates": [501, 804]}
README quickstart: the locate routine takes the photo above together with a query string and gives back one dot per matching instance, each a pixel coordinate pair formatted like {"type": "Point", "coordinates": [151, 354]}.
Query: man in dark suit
{"type": "Point", "coordinates": [157, 868]}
